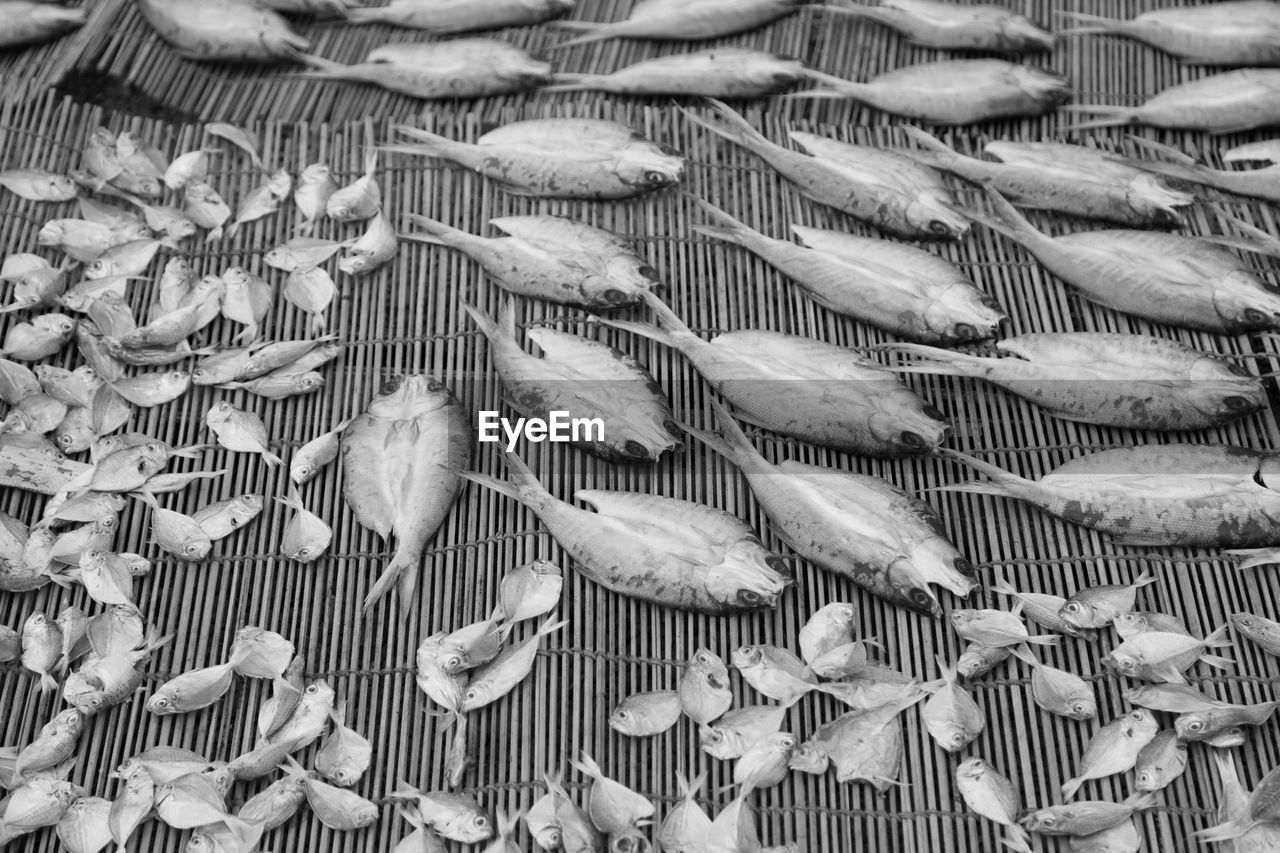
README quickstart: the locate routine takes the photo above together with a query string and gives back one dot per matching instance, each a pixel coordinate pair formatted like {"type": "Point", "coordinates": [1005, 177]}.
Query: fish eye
{"type": "Point", "coordinates": [481, 820]}
{"type": "Point", "coordinates": [304, 552]}
{"type": "Point", "coordinates": [1253, 315]}
{"type": "Point", "coordinates": [1072, 607]}
{"type": "Point", "coordinates": [1144, 778]}
{"type": "Point", "coordinates": [66, 438]}
{"type": "Point", "coordinates": [1195, 726]}
{"type": "Point", "coordinates": [920, 597]}
{"type": "Point", "coordinates": [654, 177]}
{"type": "Point", "coordinates": [191, 549]}
{"type": "Point", "coordinates": [937, 226]}
{"type": "Point", "coordinates": [622, 715]}
{"type": "Point", "coordinates": [911, 439]}
{"type": "Point", "coordinates": [957, 617]}
{"type": "Point", "coordinates": [160, 702]}
{"type": "Point", "coordinates": [453, 661]}
{"type": "Point", "coordinates": [1048, 821]}
{"type": "Point", "coordinates": [1237, 404]}
{"type": "Point", "coordinates": [313, 689]}
{"type": "Point", "coordinates": [747, 596]}
{"type": "Point", "coordinates": [1079, 708]}
{"type": "Point", "coordinates": [702, 657]}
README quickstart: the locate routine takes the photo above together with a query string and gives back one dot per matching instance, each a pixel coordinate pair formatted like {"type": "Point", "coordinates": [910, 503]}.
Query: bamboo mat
{"type": "Point", "coordinates": [407, 317]}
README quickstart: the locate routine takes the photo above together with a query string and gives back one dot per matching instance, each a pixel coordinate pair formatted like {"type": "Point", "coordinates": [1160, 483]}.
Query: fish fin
{"type": "Point", "coordinates": [733, 126]}
{"type": "Point", "coordinates": [1114, 116]}
{"type": "Point", "coordinates": [1167, 151]}
{"type": "Point", "coordinates": [814, 94]}
{"type": "Point", "coordinates": [1219, 639]}
{"type": "Point", "coordinates": [431, 143]}
{"type": "Point", "coordinates": [1217, 661]}
{"type": "Point", "coordinates": [1095, 24]}
{"type": "Point", "coordinates": [728, 228]}
{"type": "Point", "coordinates": [1044, 639]}
{"type": "Point", "coordinates": [588, 767]}
{"type": "Point", "coordinates": [1017, 839]}
{"type": "Point", "coordinates": [935, 150]}
{"type": "Point", "coordinates": [271, 459]}
{"type": "Point", "coordinates": [1232, 829]}
{"type": "Point", "coordinates": [636, 327]}
{"type": "Point", "coordinates": [1023, 653]}
{"type": "Point", "coordinates": [47, 682]}
{"type": "Point", "coordinates": [593, 31]}
{"type": "Point", "coordinates": [1070, 787]}
{"type": "Point", "coordinates": [488, 327]}
{"type": "Point", "coordinates": [1001, 585]}
{"type": "Point", "coordinates": [1008, 220]}
{"type": "Point", "coordinates": [403, 569]}
{"type": "Point", "coordinates": [949, 675]}
{"type": "Point", "coordinates": [1145, 578]}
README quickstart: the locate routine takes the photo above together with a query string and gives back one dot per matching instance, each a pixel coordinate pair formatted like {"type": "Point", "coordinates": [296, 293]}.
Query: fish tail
{"type": "Point", "coordinates": [1114, 116]}
{"type": "Point", "coordinates": [838, 87]}
{"type": "Point", "coordinates": [1226, 766]}
{"type": "Point", "coordinates": [1008, 220]}
{"type": "Point", "coordinates": [1219, 639]}
{"type": "Point", "coordinates": [1254, 557]}
{"type": "Point", "coordinates": [1139, 802]}
{"type": "Point", "coordinates": [323, 67]}
{"type": "Point", "coordinates": [587, 766]}
{"type": "Point", "coordinates": [689, 789]}
{"type": "Point", "coordinates": [1166, 151]}
{"type": "Point", "coordinates": [271, 459]}
{"type": "Point", "coordinates": [935, 150]}
{"type": "Point", "coordinates": [1228, 831]}
{"type": "Point", "coordinates": [948, 673]}
{"type": "Point", "coordinates": [644, 330]}
{"type": "Point", "coordinates": [564, 82]}
{"type": "Point", "coordinates": [488, 327]}
{"type": "Point", "coordinates": [47, 682]}
{"type": "Point", "coordinates": [1044, 639]}
{"type": "Point", "coordinates": [1001, 586]}
{"type": "Point", "coordinates": [1070, 787]}
{"type": "Point", "coordinates": [1095, 24]}
{"type": "Point", "coordinates": [1217, 661]}
{"type": "Point", "coordinates": [552, 625]}
{"type": "Point", "coordinates": [1017, 839]}
{"type": "Point", "coordinates": [436, 232]}
{"type": "Point", "coordinates": [1023, 653]}
{"type": "Point", "coordinates": [732, 126]}
{"type": "Point", "coordinates": [939, 361]}
{"type": "Point", "coordinates": [592, 31]}
{"type": "Point", "coordinates": [430, 144]}
{"type": "Point", "coordinates": [403, 570]}
{"type": "Point", "coordinates": [728, 229]}
{"type": "Point", "coordinates": [729, 440]}
{"type": "Point", "coordinates": [1003, 483]}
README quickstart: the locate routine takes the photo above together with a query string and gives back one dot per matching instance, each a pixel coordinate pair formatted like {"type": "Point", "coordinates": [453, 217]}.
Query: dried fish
{"type": "Point", "coordinates": [614, 808]}
{"type": "Point", "coordinates": [1085, 817]}
{"type": "Point", "coordinates": [529, 591]}
{"type": "Point", "coordinates": [1060, 692]}
{"type": "Point", "coordinates": [830, 627]}
{"type": "Point", "coordinates": [446, 17]}
{"type": "Point", "coordinates": [500, 676]}
{"type": "Point", "coordinates": [41, 648]}
{"type": "Point", "coordinates": [176, 533]}
{"type": "Point", "coordinates": [1220, 103]}
{"type": "Point", "coordinates": [35, 184]}
{"type": "Point", "coordinates": [316, 454]}
{"type": "Point", "coordinates": [558, 158]}
{"type": "Point", "coordinates": [646, 714]}
{"type": "Point", "coordinates": [724, 72]}
{"type": "Point", "coordinates": [240, 431]}
{"type": "Point", "coordinates": [686, 827]}
{"type": "Point", "coordinates": [988, 793]}
{"type": "Point", "coordinates": [223, 30]}
{"type": "Point", "coordinates": [951, 716]}
{"type": "Point", "coordinates": [375, 247]}
{"type": "Point", "coordinates": [1113, 749]}
{"type": "Point", "coordinates": [996, 628]}
{"type": "Point", "coordinates": [306, 536]}
{"type": "Point", "coordinates": [683, 20]}
{"type": "Point", "coordinates": [192, 690]}
{"type": "Point", "coordinates": [1163, 657]}
{"type": "Point", "coordinates": [1259, 629]}
{"type": "Point", "coordinates": [345, 755]}
{"type": "Point", "coordinates": [704, 687]}
{"type": "Point", "coordinates": [219, 520]}
{"type": "Point", "coordinates": [32, 22]}
{"type": "Point", "coordinates": [1235, 32]}
{"type": "Point", "coordinates": [1099, 606]}
{"type": "Point", "coordinates": [202, 204]}
{"type": "Point", "coordinates": [954, 26]}
{"type": "Point", "coordinates": [660, 549]}
{"type": "Point", "coordinates": [454, 816]}
{"type": "Point", "coordinates": [462, 68]}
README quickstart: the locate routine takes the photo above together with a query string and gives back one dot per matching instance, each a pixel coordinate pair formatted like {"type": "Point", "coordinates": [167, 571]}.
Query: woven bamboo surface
{"type": "Point", "coordinates": [407, 317]}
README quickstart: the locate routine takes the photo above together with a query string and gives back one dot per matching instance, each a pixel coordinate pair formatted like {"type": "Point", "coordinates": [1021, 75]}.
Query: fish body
{"type": "Point", "coordinates": [35, 184]}
{"type": "Point", "coordinates": [588, 380]}
{"type": "Point", "coordinates": [42, 648]}
{"type": "Point", "coordinates": [1161, 657]}
{"type": "Point", "coordinates": [552, 258]}
{"type": "Point", "coordinates": [375, 247]}
{"type": "Point", "coordinates": [704, 687]}
{"type": "Point", "coordinates": [1160, 762]}
{"type": "Point", "coordinates": [990, 794]}
{"type": "Point", "coordinates": [663, 550]}
{"type": "Point", "coordinates": [240, 431]}
{"type": "Point", "coordinates": [1229, 102]}
{"type": "Point", "coordinates": [223, 30]}
{"type": "Point", "coordinates": [316, 454]}
{"type": "Point", "coordinates": [1042, 609]}
{"type": "Point", "coordinates": [559, 158]}
{"type": "Point", "coordinates": [645, 714]}
{"type": "Point", "coordinates": [264, 200]}
{"type": "Point", "coordinates": [1236, 32]}
{"type": "Point", "coordinates": [1168, 278]}
{"type": "Point", "coordinates": [26, 22]}
{"type": "Point", "coordinates": [614, 808]}
{"type": "Point", "coordinates": [192, 690]}
{"type": "Point", "coordinates": [995, 628]}
{"type": "Point", "coordinates": [401, 460]}
{"type": "Point", "coordinates": [955, 26]}
{"type": "Point", "coordinates": [530, 590]}
{"type": "Point", "coordinates": [734, 732]}
{"type": "Point", "coordinates": [450, 17]}
{"type": "Point", "coordinates": [855, 525]}
{"type": "Point", "coordinates": [1113, 749]}
{"type": "Point", "coordinates": [1064, 693]}
{"type": "Point", "coordinates": [1260, 630]}
{"type": "Point", "coordinates": [1174, 494]}
{"type": "Point", "coordinates": [951, 716]}
{"type": "Point", "coordinates": [807, 389]}
{"type": "Point", "coordinates": [864, 746]}
{"type": "Point", "coordinates": [725, 72]}
{"type": "Point", "coordinates": [683, 20]}
{"type": "Point", "coordinates": [219, 520]}
{"type": "Point", "coordinates": [311, 194]}
{"type": "Point", "coordinates": [880, 186]}
{"type": "Point", "coordinates": [979, 659]}
{"type": "Point", "coordinates": [1130, 381]}
{"type": "Point", "coordinates": [461, 68]}
{"type": "Point", "coordinates": [900, 288]}
{"type": "Point", "coordinates": [1084, 817]}
{"type": "Point", "coordinates": [954, 91]}
{"type": "Point", "coordinates": [830, 627]}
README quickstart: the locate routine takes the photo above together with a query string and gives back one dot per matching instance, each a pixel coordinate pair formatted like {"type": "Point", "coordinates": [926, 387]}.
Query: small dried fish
{"type": "Point", "coordinates": [259, 653]}
{"type": "Point", "coordinates": [345, 755]}
{"type": "Point", "coordinates": [311, 195]}
{"type": "Point", "coordinates": [1260, 630]}
{"type": "Point", "coordinates": [951, 716]}
{"type": "Point", "coordinates": [704, 687]}
{"type": "Point", "coordinates": [686, 827]}
{"type": "Point", "coordinates": [1085, 817]}
{"type": "Point", "coordinates": [682, 20]}
{"type": "Point", "coordinates": [1160, 762]}
{"type": "Point", "coordinates": [306, 536]}
{"type": "Point", "coordinates": [245, 140]}
{"type": "Point", "coordinates": [360, 199]}
{"type": "Point", "coordinates": [500, 676]}
{"type": "Point", "coordinates": [264, 200]}
{"type": "Point", "coordinates": [954, 26]}
{"type": "Point", "coordinates": [178, 534]}
{"type": "Point", "coordinates": [1233, 101]}
{"type": "Point", "coordinates": [316, 454]}
{"type": "Point", "coordinates": [42, 648]}
{"type": "Point", "coordinates": [1113, 749]}
{"type": "Point", "coordinates": [448, 17]}
{"type": "Point", "coordinates": [988, 793]}
{"type": "Point", "coordinates": [375, 247]}
{"type": "Point", "coordinates": [241, 431]}
{"type": "Point", "coordinates": [456, 817]}
{"type": "Point", "coordinates": [723, 72]}
{"type": "Point", "coordinates": [613, 807]}
{"type": "Point", "coordinates": [1233, 32]}
{"type": "Point", "coordinates": [38, 184]}
{"type": "Point", "coordinates": [646, 714]}
{"type": "Point", "coordinates": [995, 628]}
{"type": "Point", "coordinates": [203, 206]}
{"type": "Point", "coordinates": [223, 30]}
{"type": "Point", "coordinates": [1099, 606]}
{"type": "Point", "coordinates": [192, 690]}
{"type": "Point", "coordinates": [219, 520]}
{"type": "Point", "coordinates": [460, 68]}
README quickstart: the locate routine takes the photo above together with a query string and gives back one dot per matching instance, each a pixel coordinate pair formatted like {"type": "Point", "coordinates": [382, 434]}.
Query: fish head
{"type": "Point", "coordinates": [708, 663]}
{"type": "Point", "coordinates": [746, 657]}
{"type": "Point", "coordinates": [1152, 196]}
{"type": "Point", "coordinates": [748, 578]}
{"type": "Point", "coordinates": [974, 769]}
{"type": "Point", "coordinates": [936, 561]}
{"type": "Point", "coordinates": [1223, 397]}
{"type": "Point", "coordinates": [316, 173]}
{"type": "Point", "coordinates": [953, 737]}
{"type": "Point", "coordinates": [1044, 87]}
{"type": "Point", "coordinates": [547, 837]}
{"type": "Point", "coordinates": [629, 842]}
{"type": "Point", "coordinates": [1228, 738]}
{"type": "Point", "coordinates": [86, 693]}
{"type": "Point", "coordinates": [1249, 625]}
{"type": "Point", "coordinates": [646, 165]}
{"type": "Point", "coordinates": [1045, 820]}
{"type": "Point", "coordinates": [905, 584]}
{"type": "Point", "coordinates": [933, 215]}
{"type": "Point", "coordinates": [1077, 613]}
{"type": "Point", "coordinates": [1122, 661]}
{"type": "Point", "coordinates": [1197, 725]}
{"type": "Point", "coordinates": [1081, 707]}
{"type": "Point", "coordinates": [1131, 624]}
{"type": "Point", "coordinates": [963, 314]}
{"type": "Point", "coordinates": [163, 701]}
{"type": "Point", "coordinates": [915, 427]}
{"type": "Point", "coordinates": [1241, 303]}
{"type": "Point", "coordinates": [409, 396]}
{"type": "Point", "coordinates": [808, 758]}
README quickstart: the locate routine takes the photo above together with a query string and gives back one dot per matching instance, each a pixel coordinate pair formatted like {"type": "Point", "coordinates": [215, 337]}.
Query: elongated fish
{"type": "Point", "coordinates": [1261, 183]}
{"type": "Point", "coordinates": [1070, 179]}
{"type": "Point", "coordinates": [882, 187]}
{"type": "Point", "coordinates": [448, 17]}
{"type": "Point", "coordinates": [683, 20]}
{"type": "Point", "coordinates": [223, 30]}
{"type": "Point", "coordinates": [552, 258]}
{"type": "Point", "coordinates": [723, 72]}
{"type": "Point", "coordinates": [954, 26]}
{"type": "Point", "coordinates": [587, 379]}
{"type": "Point", "coordinates": [1168, 278]}
{"type": "Point", "coordinates": [813, 391]}
{"type": "Point", "coordinates": [893, 286]}
{"type": "Point", "coordinates": [1240, 32]}
{"type": "Point", "coordinates": [401, 462]}
{"type": "Point", "coordinates": [1171, 494]}
{"type": "Point", "coordinates": [953, 91]}
{"type": "Point", "coordinates": [559, 158]}
{"type": "Point", "coordinates": [659, 549]}
{"type": "Point", "coordinates": [1131, 381]}
{"type": "Point", "coordinates": [860, 527]}
{"type": "Point", "coordinates": [1220, 103]}
{"type": "Point", "coordinates": [462, 68]}
{"type": "Point", "coordinates": [24, 22]}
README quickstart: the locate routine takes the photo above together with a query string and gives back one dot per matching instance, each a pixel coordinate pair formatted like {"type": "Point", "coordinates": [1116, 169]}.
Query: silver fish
{"type": "Point", "coordinates": [1074, 179]}
{"type": "Point", "coordinates": [1160, 762]}
{"type": "Point", "coordinates": [737, 730]}
{"type": "Point", "coordinates": [462, 68]}
{"type": "Point", "coordinates": [830, 627]}
{"type": "Point", "coordinates": [360, 199]}
{"type": "Point", "coordinates": [559, 158]}
{"type": "Point", "coordinates": [552, 258]}
{"type": "Point", "coordinates": [1168, 278]}
{"type": "Point", "coordinates": [704, 687]}
{"type": "Point", "coordinates": [807, 389]}
{"type": "Point", "coordinates": [902, 289]}
{"type": "Point", "coordinates": [203, 206]}
{"type": "Point", "coordinates": [883, 187]}
{"type": "Point", "coordinates": [683, 20]}
{"type": "Point", "coordinates": [38, 184]}
{"type": "Point", "coordinates": [1060, 692]}
{"type": "Point", "coordinates": [449, 17]}
{"type": "Point", "coordinates": [219, 520]}
{"type": "Point", "coordinates": [1113, 749]}
{"type": "Point", "coordinates": [306, 537]}
{"type": "Point", "coordinates": [668, 551]}
{"type": "Point", "coordinates": [1099, 606]}
{"type": "Point", "coordinates": [953, 91]}
{"type": "Point", "coordinates": [241, 431]}
{"type": "Point", "coordinates": [723, 72]}
{"type": "Point", "coordinates": [1085, 817]}
{"type": "Point", "coordinates": [591, 381]}
{"type": "Point", "coordinates": [1246, 820]}
{"type": "Point", "coordinates": [1255, 183]}
{"type": "Point", "coordinates": [1220, 103]}
{"type": "Point", "coordinates": [311, 195]}
{"type": "Point", "coordinates": [1236, 32]}
{"type": "Point", "coordinates": [1259, 629]}
{"type": "Point", "coordinates": [263, 200]}
{"type": "Point", "coordinates": [316, 454]}
{"type": "Point", "coordinates": [29, 22]}
{"type": "Point", "coordinates": [858, 526]}
{"type": "Point", "coordinates": [1163, 658]}
{"type": "Point", "coordinates": [1173, 494]}
{"type": "Point", "coordinates": [223, 30]}
{"type": "Point", "coordinates": [1041, 608]}
{"type": "Point", "coordinates": [686, 826]}
{"type": "Point", "coordinates": [954, 26]}
{"type": "Point", "coordinates": [375, 247]}
{"type": "Point", "coordinates": [1131, 381]}
{"type": "Point", "coordinates": [988, 793]}
{"type": "Point", "coordinates": [401, 461]}
{"type": "Point", "coordinates": [646, 714]}
{"type": "Point", "coordinates": [950, 715]}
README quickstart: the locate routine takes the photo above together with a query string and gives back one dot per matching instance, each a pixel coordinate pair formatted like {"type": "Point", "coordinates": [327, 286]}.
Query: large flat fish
{"type": "Point", "coordinates": [893, 286]}
{"type": "Point", "coordinates": [1121, 380]}
{"type": "Point", "coordinates": [883, 539]}
{"type": "Point", "coordinates": [882, 187]}
{"type": "Point", "coordinates": [223, 30]}
{"type": "Point", "coordinates": [1072, 179]}
{"type": "Point", "coordinates": [1241, 32]}
{"type": "Point", "coordinates": [558, 158]}
{"type": "Point", "coordinates": [954, 26]}
{"type": "Point", "coordinates": [807, 389]}
{"type": "Point", "coordinates": [667, 551]}
{"type": "Point", "coordinates": [402, 460]}
{"type": "Point", "coordinates": [1168, 278]}
{"type": "Point", "coordinates": [1170, 494]}
{"type": "Point", "coordinates": [461, 68]}
{"type": "Point", "coordinates": [953, 91]}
